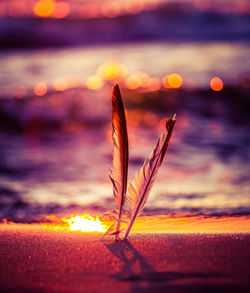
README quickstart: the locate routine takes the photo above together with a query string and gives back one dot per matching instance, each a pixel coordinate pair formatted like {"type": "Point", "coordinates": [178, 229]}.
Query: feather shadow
{"type": "Point", "coordinates": [143, 278]}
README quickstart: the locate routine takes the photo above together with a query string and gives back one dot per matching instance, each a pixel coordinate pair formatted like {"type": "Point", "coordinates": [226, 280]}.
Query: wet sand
{"type": "Point", "coordinates": [33, 259]}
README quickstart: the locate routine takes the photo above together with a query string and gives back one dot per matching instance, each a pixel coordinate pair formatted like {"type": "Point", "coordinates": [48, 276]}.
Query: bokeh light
{"type": "Point", "coordinates": [133, 81]}
{"type": "Point", "coordinates": [40, 89]}
{"type": "Point", "coordinates": [175, 80]}
{"type": "Point", "coordinates": [111, 70]}
{"type": "Point", "coordinates": [44, 8]}
{"type": "Point", "coordinates": [165, 82]}
{"type": "Point", "coordinates": [94, 82]}
{"type": "Point", "coordinates": [60, 84]}
{"type": "Point", "coordinates": [216, 84]}
{"type": "Point", "coordinates": [62, 9]}
{"type": "Point", "coordinates": [110, 9]}
{"type": "Point", "coordinates": [89, 10]}
{"type": "Point", "coordinates": [137, 80]}
{"type": "Point", "coordinates": [145, 80]}
{"type": "Point", "coordinates": [155, 84]}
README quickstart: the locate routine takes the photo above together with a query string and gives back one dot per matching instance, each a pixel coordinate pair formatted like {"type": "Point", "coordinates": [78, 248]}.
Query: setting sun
{"type": "Point", "coordinates": [85, 223]}
{"type": "Point", "coordinates": [82, 223]}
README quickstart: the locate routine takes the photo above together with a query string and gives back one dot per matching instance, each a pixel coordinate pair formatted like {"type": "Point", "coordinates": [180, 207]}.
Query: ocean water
{"type": "Point", "coordinates": [56, 149]}
{"type": "Point", "coordinates": [196, 62]}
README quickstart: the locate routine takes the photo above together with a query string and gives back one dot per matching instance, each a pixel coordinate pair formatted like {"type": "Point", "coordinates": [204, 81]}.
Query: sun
{"type": "Point", "coordinates": [82, 223]}
{"type": "Point", "coordinates": [85, 223]}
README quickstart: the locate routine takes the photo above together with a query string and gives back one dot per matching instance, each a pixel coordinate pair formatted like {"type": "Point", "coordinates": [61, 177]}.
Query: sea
{"type": "Point", "coordinates": [56, 148]}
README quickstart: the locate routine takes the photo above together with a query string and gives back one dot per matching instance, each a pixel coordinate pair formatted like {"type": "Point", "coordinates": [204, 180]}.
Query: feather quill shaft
{"type": "Point", "coordinates": [139, 190]}
{"type": "Point", "coordinates": [119, 175]}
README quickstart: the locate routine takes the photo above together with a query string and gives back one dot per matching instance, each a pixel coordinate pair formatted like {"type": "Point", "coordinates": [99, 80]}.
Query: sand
{"type": "Point", "coordinates": [33, 259]}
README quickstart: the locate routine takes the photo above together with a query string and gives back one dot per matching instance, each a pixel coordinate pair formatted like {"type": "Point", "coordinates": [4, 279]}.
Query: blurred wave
{"type": "Point", "coordinates": [55, 151]}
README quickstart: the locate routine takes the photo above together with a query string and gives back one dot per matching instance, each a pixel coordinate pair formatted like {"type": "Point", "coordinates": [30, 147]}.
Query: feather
{"type": "Point", "coordinates": [140, 189]}
{"type": "Point", "coordinates": [119, 174]}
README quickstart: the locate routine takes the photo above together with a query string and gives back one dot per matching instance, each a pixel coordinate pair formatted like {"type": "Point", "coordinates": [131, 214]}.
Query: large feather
{"type": "Point", "coordinates": [119, 174]}
{"type": "Point", "coordinates": [139, 190]}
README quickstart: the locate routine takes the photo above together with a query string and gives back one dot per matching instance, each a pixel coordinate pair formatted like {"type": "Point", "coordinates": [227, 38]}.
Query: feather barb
{"type": "Point", "coordinates": [119, 175]}
{"type": "Point", "coordinates": [140, 189]}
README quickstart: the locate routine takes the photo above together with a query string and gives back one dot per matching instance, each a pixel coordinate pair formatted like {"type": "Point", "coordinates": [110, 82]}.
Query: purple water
{"type": "Point", "coordinates": [55, 149]}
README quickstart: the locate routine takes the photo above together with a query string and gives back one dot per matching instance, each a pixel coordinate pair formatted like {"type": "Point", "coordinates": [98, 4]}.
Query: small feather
{"type": "Point", "coordinates": [119, 174]}
{"type": "Point", "coordinates": [139, 190]}
{"type": "Point", "coordinates": [111, 228]}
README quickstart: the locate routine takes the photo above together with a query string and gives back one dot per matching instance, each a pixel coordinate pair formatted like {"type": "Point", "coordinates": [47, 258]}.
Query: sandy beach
{"type": "Point", "coordinates": [37, 260]}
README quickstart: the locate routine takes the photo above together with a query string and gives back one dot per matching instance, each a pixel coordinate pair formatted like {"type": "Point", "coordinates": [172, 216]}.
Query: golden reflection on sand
{"type": "Point", "coordinates": [145, 224]}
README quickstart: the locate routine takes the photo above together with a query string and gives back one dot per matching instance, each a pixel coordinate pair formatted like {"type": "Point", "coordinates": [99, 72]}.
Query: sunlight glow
{"type": "Point", "coordinates": [85, 223]}
{"type": "Point", "coordinates": [152, 224]}
{"type": "Point", "coordinates": [82, 223]}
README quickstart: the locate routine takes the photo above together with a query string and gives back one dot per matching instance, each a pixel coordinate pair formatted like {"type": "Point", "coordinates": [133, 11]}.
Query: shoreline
{"type": "Point", "coordinates": [170, 224]}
